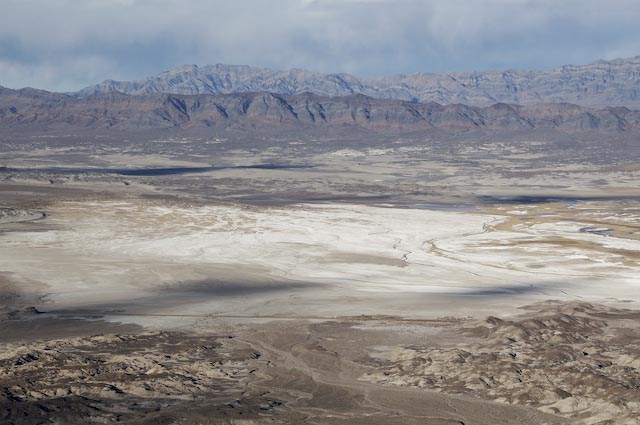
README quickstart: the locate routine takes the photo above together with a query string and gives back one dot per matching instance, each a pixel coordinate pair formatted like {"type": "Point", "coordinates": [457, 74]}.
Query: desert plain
{"type": "Point", "coordinates": [356, 278]}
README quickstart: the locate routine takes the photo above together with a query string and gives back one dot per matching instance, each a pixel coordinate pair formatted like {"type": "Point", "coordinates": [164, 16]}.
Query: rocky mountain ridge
{"type": "Point", "coordinates": [30, 107]}
{"type": "Point", "coordinates": [603, 83]}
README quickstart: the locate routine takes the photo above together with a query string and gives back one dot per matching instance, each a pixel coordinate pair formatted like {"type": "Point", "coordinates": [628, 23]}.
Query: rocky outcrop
{"type": "Point", "coordinates": [29, 107]}
{"type": "Point", "coordinates": [574, 361]}
{"type": "Point", "coordinates": [603, 83]}
{"type": "Point", "coordinates": [150, 377]}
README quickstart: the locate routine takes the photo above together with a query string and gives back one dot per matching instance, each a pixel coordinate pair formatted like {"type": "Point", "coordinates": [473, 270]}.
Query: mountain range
{"type": "Point", "coordinates": [31, 108]}
{"type": "Point", "coordinates": [603, 83]}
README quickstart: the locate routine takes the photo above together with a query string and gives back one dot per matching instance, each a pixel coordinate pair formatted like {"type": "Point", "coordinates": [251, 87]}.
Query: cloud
{"type": "Point", "coordinates": [63, 74]}
{"type": "Point", "coordinates": [66, 44]}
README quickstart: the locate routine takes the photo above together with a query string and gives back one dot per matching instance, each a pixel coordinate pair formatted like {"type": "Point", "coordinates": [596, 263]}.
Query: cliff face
{"type": "Point", "coordinates": [116, 110]}
{"type": "Point", "coordinates": [603, 83]}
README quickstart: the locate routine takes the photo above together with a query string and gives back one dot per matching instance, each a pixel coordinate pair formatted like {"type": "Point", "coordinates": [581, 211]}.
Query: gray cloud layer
{"type": "Point", "coordinates": [67, 44]}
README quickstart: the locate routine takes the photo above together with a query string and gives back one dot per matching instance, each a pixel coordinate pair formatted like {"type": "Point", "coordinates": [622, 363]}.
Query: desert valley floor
{"type": "Point", "coordinates": [175, 281]}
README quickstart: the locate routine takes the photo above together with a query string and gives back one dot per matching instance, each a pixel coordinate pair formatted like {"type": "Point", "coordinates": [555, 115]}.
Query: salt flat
{"type": "Point", "coordinates": [110, 252]}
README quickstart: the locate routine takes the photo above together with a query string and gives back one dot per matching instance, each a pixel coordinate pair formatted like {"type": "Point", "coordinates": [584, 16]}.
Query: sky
{"type": "Point", "coordinates": [64, 45]}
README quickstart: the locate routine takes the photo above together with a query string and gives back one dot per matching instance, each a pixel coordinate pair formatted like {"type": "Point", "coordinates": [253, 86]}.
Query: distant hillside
{"type": "Point", "coordinates": [603, 83]}
{"type": "Point", "coordinates": [37, 108]}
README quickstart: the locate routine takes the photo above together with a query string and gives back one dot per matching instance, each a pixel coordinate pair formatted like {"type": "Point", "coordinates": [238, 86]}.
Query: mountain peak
{"type": "Point", "coordinates": [184, 68]}
{"type": "Point", "coordinates": [603, 83]}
